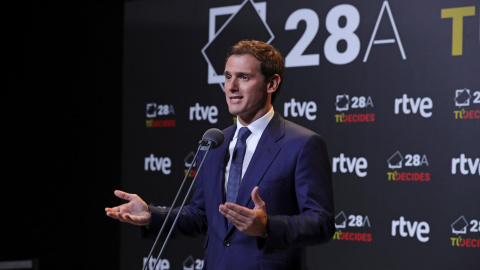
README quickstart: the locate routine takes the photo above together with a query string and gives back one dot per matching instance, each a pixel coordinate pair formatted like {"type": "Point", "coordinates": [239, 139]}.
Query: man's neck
{"type": "Point", "coordinates": [247, 121]}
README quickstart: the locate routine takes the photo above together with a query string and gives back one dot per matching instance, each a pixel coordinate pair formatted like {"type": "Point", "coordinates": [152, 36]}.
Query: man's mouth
{"type": "Point", "coordinates": [235, 98]}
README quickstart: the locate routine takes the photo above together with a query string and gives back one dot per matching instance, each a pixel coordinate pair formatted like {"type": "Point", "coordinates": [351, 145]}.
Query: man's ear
{"type": "Point", "coordinates": [273, 83]}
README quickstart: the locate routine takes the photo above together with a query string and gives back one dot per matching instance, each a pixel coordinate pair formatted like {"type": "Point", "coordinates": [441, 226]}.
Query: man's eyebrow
{"type": "Point", "coordinates": [238, 74]}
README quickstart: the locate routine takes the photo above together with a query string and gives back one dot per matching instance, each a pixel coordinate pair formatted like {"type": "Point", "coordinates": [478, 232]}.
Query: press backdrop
{"type": "Point", "coordinates": [393, 86]}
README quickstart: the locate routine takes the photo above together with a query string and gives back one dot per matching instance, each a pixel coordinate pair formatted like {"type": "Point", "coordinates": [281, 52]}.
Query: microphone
{"type": "Point", "coordinates": [211, 139]}
{"type": "Point", "coordinates": [214, 136]}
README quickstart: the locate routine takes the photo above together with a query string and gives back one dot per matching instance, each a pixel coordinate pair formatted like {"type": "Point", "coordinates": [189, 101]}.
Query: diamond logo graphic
{"type": "Point", "coordinates": [395, 161]}
{"type": "Point", "coordinates": [342, 102]}
{"type": "Point", "coordinates": [189, 159]}
{"type": "Point", "coordinates": [246, 21]}
{"type": "Point", "coordinates": [462, 97]}
{"type": "Point", "coordinates": [151, 110]}
{"type": "Point", "coordinates": [460, 225]}
{"type": "Point", "coordinates": [341, 220]}
{"type": "Point", "coordinates": [189, 263]}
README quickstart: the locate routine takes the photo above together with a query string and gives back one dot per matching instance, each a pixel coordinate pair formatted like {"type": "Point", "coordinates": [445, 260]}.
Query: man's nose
{"type": "Point", "coordinates": [233, 85]}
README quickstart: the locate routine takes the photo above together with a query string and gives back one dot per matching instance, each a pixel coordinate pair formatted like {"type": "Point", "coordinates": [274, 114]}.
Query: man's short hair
{"type": "Point", "coordinates": [271, 61]}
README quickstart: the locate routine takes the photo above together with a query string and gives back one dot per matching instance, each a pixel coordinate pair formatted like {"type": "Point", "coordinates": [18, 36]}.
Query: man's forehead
{"type": "Point", "coordinates": [244, 63]}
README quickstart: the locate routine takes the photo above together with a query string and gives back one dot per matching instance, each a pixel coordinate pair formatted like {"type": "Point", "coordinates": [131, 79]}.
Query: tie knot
{"type": "Point", "coordinates": [243, 133]}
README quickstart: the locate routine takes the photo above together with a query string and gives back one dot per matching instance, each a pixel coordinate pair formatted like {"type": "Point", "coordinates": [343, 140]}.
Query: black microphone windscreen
{"type": "Point", "coordinates": [215, 136]}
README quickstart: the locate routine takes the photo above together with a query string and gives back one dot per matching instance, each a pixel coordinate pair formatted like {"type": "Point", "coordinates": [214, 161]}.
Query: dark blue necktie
{"type": "Point", "coordinates": [235, 174]}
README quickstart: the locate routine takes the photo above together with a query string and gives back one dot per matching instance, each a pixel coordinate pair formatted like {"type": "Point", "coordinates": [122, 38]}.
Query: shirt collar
{"type": "Point", "coordinates": [259, 125]}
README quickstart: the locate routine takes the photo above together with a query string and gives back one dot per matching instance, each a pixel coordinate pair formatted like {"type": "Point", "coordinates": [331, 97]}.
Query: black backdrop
{"type": "Point", "coordinates": [61, 125]}
{"type": "Point", "coordinates": [61, 152]}
{"type": "Point", "coordinates": [404, 194]}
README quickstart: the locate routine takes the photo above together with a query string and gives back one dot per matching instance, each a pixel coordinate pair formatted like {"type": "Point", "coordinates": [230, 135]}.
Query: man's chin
{"type": "Point", "coordinates": [233, 112]}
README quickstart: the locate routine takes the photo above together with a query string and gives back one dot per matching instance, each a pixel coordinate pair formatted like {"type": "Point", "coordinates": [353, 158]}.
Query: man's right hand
{"type": "Point", "coordinates": [135, 211]}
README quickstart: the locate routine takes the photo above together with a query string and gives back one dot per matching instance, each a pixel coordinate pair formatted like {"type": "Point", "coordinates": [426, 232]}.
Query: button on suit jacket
{"type": "Point", "coordinates": [291, 168]}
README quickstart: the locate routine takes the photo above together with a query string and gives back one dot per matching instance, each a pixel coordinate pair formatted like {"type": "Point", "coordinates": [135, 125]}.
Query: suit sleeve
{"type": "Point", "coordinates": [313, 187]}
{"type": "Point", "coordinates": [192, 220]}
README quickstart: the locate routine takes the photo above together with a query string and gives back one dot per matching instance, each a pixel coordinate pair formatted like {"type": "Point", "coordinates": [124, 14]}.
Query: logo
{"type": "Point", "coordinates": [463, 227]}
{"type": "Point", "coordinates": [460, 226]}
{"type": "Point", "coordinates": [463, 100]}
{"type": "Point", "coordinates": [200, 113]}
{"type": "Point", "coordinates": [352, 222]}
{"type": "Point", "coordinates": [163, 264]}
{"type": "Point", "coordinates": [466, 165]}
{"type": "Point", "coordinates": [345, 103]}
{"type": "Point", "coordinates": [155, 111]}
{"type": "Point", "coordinates": [158, 164]}
{"type": "Point", "coordinates": [190, 162]}
{"type": "Point", "coordinates": [246, 21]}
{"type": "Point", "coordinates": [408, 105]}
{"type": "Point", "coordinates": [410, 162]}
{"type": "Point", "coordinates": [406, 228]}
{"type": "Point", "coordinates": [191, 264]}
{"type": "Point", "coordinates": [300, 109]}
{"type": "Point", "coordinates": [350, 165]}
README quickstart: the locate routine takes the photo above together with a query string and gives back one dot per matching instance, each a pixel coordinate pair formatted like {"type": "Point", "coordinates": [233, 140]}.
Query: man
{"type": "Point", "coordinates": [260, 209]}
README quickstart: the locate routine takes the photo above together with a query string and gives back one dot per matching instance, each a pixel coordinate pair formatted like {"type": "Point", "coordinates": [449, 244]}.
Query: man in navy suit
{"type": "Point", "coordinates": [283, 200]}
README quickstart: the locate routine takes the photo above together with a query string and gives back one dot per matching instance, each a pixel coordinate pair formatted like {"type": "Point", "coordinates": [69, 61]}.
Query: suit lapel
{"type": "Point", "coordinates": [265, 153]}
{"type": "Point", "coordinates": [218, 168]}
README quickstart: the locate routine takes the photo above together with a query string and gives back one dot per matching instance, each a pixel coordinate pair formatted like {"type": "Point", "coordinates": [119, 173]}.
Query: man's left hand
{"type": "Point", "coordinates": [249, 221]}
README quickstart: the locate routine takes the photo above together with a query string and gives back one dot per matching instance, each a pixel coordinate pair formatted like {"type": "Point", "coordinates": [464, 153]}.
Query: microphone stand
{"type": "Point", "coordinates": [200, 147]}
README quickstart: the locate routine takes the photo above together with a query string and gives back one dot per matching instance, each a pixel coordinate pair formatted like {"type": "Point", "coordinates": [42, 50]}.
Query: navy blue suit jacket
{"type": "Point", "coordinates": [292, 171]}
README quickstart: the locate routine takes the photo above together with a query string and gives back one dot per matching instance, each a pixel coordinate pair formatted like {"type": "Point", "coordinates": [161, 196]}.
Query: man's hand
{"type": "Point", "coordinates": [135, 211]}
{"type": "Point", "coordinates": [251, 222]}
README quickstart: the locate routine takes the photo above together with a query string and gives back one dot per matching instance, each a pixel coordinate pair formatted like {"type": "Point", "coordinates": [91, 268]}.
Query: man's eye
{"type": "Point", "coordinates": [244, 77]}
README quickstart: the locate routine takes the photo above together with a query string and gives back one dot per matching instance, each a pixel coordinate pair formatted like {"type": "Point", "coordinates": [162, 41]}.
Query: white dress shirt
{"type": "Point", "coordinates": [257, 128]}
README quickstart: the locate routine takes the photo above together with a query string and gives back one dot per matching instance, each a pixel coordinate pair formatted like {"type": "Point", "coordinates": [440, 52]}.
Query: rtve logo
{"type": "Point", "coordinates": [350, 165]}
{"type": "Point", "coordinates": [406, 228]}
{"type": "Point", "coordinates": [163, 264]}
{"type": "Point", "coordinates": [462, 163]}
{"type": "Point", "coordinates": [410, 105]}
{"type": "Point", "coordinates": [300, 109]}
{"type": "Point", "coordinates": [200, 113]}
{"type": "Point", "coordinates": [163, 164]}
